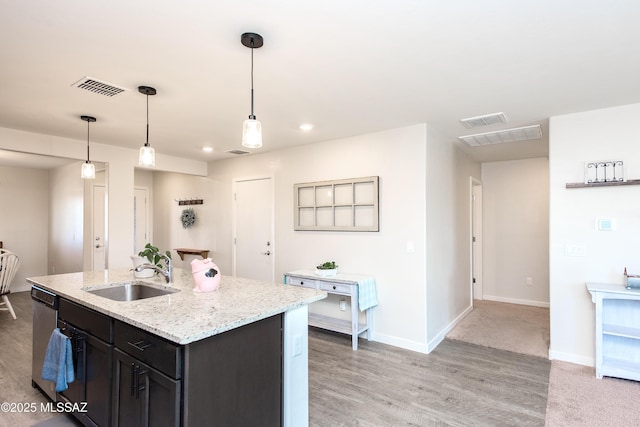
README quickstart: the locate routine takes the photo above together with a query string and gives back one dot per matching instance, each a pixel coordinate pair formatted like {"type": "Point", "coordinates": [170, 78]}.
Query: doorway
{"type": "Point", "coordinates": [98, 258]}
{"type": "Point", "coordinates": [253, 228]}
{"type": "Point", "coordinates": [140, 215]}
{"type": "Point", "coordinates": [476, 240]}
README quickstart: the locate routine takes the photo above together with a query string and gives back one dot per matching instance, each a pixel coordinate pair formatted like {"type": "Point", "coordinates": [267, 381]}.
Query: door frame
{"type": "Point", "coordinates": [235, 181]}
{"type": "Point", "coordinates": [475, 230]}
{"type": "Point", "coordinates": [147, 231]}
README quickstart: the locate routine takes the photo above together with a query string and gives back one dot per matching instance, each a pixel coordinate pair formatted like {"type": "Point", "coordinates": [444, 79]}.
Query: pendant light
{"type": "Point", "coordinates": [88, 170]}
{"type": "Point", "coordinates": [147, 155]}
{"type": "Point", "coordinates": [251, 128]}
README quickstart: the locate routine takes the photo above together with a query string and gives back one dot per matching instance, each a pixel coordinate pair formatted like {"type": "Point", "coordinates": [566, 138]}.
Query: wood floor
{"type": "Point", "coordinates": [458, 384]}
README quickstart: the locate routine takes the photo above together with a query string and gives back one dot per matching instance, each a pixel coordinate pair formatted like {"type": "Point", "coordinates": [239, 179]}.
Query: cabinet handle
{"type": "Point", "coordinates": [334, 287]}
{"type": "Point", "coordinates": [133, 379]}
{"type": "Point", "coordinates": [301, 282]}
{"type": "Point", "coordinates": [139, 345]}
{"type": "Point", "coordinates": [139, 387]}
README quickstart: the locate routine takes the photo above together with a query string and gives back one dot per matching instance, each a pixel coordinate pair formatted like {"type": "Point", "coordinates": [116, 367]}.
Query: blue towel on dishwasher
{"type": "Point", "coordinates": [58, 361]}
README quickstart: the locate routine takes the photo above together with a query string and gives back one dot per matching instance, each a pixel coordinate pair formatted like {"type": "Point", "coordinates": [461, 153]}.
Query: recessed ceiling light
{"type": "Point", "coordinates": [207, 149]}
{"type": "Point", "coordinates": [306, 126]}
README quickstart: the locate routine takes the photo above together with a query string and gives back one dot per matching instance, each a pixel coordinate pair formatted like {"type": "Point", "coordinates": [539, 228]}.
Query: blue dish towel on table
{"type": "Point", "coordinates": [367, 297]}
{"type": "Point", "coordinates": [58, 361]}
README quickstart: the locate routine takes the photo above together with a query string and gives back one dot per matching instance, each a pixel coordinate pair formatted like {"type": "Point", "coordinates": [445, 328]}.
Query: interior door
{"type": "Point", "coordinates": [139, 219]}
{"type": "Point", "coordinates": [476, 240]}
{"type": "Point", "coordinates": [253, 229]}
{"type": "Point", "coordinates": [98, 258]}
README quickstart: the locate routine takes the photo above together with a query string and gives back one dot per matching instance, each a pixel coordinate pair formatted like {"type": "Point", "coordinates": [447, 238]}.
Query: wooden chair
{"type": "Point", "coordinates": [9, 263]}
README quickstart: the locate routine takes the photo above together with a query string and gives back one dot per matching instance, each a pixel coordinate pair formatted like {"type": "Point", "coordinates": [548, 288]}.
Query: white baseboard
{"type": "Point", "coordinates": [400, 342]}
{"type": "Point", "coordinates": [572, 358]}
{"type": "Point", "coordinates": [443, 333]}
{"type": "Point", "coordinates": [516, 301]}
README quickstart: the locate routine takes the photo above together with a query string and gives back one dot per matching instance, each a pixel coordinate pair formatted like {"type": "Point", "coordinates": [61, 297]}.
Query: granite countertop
{"type": "Point", "coordinates": [186, 316]}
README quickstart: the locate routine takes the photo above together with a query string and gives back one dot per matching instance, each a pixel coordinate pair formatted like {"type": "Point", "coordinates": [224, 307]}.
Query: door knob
{"type": "Point", "coordinates": [266, 253]}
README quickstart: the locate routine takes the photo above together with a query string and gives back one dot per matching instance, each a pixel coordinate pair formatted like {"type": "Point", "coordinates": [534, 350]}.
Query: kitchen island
{"type": "Point", "coordinates": [222, 355]}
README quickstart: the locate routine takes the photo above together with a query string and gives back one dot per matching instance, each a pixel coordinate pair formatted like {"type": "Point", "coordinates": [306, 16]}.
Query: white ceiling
{"type": "Point", "coordinates": [350, 67]}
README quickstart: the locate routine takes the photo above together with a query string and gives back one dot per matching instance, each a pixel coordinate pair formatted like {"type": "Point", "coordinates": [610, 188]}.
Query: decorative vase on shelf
{"type": "Point", "coordinates": [145, 273]}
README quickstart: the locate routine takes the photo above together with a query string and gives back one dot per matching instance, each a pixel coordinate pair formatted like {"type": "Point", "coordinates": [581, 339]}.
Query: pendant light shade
{"type": "Point", "coordinates": [251, 128]}
{"type": "Point", "coordinates": [147, 156]}
{"type": "Point", "coordinates": [88, 170]}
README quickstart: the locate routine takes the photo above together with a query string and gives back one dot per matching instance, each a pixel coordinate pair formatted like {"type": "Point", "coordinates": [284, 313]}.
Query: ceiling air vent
{"type": "Point", "coordinates": [237, 152]}
{"type": "Point", "coordinates": [98, 86]}
{"type": "Point", "coordinates": [506, 135]}
{"type": "Point", "coordinates": [481, 121]}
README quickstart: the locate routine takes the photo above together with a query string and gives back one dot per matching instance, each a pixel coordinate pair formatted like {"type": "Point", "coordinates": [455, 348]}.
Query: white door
{"type": "Point", "coordinates": [253, 229]}
{"type": "Point", "coordinates": [99, 234]}
{"type": "Point", "coordinates": [476, 240]}
{"type": "Point", "coordinates": [139, 219]}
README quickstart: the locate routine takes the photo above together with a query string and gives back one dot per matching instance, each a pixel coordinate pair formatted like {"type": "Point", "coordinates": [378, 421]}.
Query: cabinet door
{"type": "Point", "coordinates": [92, 383]}
{"type": "Point", "coordinates": [142, 395]}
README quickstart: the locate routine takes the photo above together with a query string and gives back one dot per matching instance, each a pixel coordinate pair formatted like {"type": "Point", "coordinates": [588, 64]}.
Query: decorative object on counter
{"type": "Point", "coordinates": [251, 128]}
{"type": "Point", "coordinates": [147, 155]}
{"type": "Point", "coordinates": [206, 275]}
{"type": "Point", "coordinates": [183, 202]}
{"type": "Point", "coordinates": [336, 205]}
{"type": "Point", "coordinates": [88, 170]}
{"type": "Point", "coordinates": [145, 273]}
{"type": "Point", "coordinates": [188, 217]}
{"type": "Point", "coordinates": [329, 268]}
{"type": "Point", "coordinates": [604, 171]}
{"type": "Point", "coordinates": [631, 280]}
{"type": "Point", "coordinates": [155, 257]}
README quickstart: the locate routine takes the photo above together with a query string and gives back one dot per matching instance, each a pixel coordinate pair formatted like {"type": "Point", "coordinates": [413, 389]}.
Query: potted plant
{"type": "Point", "coordinates": [329, 268]}
{"type": "Point", "coordinates": [149, 255]}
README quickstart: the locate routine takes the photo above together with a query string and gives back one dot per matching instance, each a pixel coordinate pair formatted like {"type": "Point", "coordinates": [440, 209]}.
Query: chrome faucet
{"type": "Point", "coordinates": [166, 272]}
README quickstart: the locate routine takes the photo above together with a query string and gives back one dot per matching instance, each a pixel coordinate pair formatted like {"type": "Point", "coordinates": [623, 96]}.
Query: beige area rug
{"type": "Point", "coordinates": [577, 398]}
{"type": "Point", "coordinates": [513, 327]}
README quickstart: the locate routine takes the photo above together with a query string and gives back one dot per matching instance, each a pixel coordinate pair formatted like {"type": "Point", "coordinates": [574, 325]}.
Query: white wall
{"type": "Point", "coordinates": [168, 231]}
{"type": "Point", "coordinates": [24, 220]}
{"type": "Point", "coordinates": [595, 135]}
{"type": "Point", "coordinates": [66, 220]}
{"type": "Point", "coordinates": [398, 158]}
{"type": "Point", "coordinates": [515, 230]}
{"type": "Point", "coordinates": [121, 163]}
{"type": "Point", "coordinates": [448, 235]}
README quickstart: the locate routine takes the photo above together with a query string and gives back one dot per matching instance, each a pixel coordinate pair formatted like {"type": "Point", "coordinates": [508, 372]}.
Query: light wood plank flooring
{"type": "Point", "coordinates": [458, 384]}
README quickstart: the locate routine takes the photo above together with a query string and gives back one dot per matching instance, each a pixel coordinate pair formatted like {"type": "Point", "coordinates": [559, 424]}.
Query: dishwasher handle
{"type": "Point", "coordinates": [44, 297]}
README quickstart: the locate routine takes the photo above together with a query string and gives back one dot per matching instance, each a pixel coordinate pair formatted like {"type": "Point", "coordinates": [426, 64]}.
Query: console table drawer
{"type": "Point", "coordinates": [335, 288]}
{"type": "Point", "coordinates": [307, 283]}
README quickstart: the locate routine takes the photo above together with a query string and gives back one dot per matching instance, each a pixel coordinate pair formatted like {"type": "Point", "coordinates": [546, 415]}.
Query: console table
{"type": "Point", "coordinates": [617, 330]}
{"type": "Point", "coordinates": [360, 288]}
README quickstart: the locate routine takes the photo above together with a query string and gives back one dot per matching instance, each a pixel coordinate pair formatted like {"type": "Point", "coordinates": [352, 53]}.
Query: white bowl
{"type": "Point", "coordinates": [327, 273]}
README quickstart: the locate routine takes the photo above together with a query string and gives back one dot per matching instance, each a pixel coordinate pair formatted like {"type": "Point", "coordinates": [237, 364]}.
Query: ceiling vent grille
{"type": "Point", "coordinates": [481, 121]}
{"type": "Point", "coordinates": [98, 86]}
{"type": "Point", "coordinates": [507, 135]}
{"type": "Point", "coordinates": [237, 152]}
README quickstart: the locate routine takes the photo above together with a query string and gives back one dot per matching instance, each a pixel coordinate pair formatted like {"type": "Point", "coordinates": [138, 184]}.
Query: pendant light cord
{"type": "Point", "coordinates": [88, 161]}
{"type": "Point", "coordinates": [252, 115]}
{"type": "Point", "coordinates": [146, 144]}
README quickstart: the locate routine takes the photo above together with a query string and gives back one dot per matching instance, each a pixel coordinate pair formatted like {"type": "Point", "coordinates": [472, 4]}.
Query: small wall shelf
{"type": "Point", "coordinates": [204, 253]}
{"type": "Point", "coordinates": [603, 184]}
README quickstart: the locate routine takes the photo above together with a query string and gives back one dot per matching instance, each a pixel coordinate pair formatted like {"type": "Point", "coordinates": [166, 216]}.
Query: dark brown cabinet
{"type": "Point", "coordinates": [92, 360]}
{"type": "Point", "coordinates": [143, 396]}
{"type": "Point", "coordinates": [132, 378]}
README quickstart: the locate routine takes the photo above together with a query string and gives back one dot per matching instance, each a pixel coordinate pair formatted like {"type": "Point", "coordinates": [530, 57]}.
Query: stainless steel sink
{"type": "Point", "coordinates": [131, 291]}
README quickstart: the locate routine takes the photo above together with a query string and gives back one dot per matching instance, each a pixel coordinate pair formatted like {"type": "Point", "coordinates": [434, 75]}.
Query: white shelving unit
{"type": "Point", "coordinates": [617, 330]}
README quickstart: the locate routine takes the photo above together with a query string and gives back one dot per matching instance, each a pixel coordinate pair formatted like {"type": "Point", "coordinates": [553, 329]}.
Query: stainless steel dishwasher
{"type": "Point", "coordinates": [45, 319]}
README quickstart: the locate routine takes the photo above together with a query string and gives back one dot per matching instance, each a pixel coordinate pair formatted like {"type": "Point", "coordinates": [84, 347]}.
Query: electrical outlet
{"type": "Point", "coordinates": [529, 281]}
{"type": "Point", "coordinates": [343, 304]}
{"type": "Point", "coordinates": [297, 345]}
